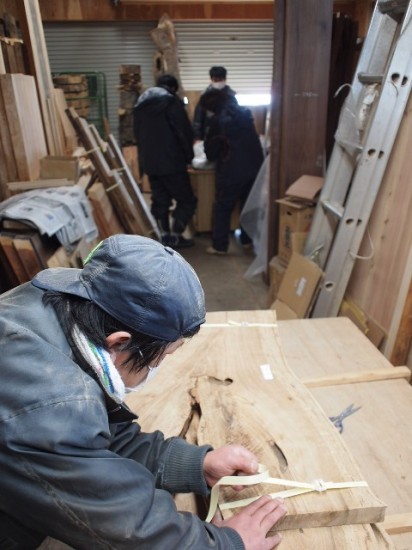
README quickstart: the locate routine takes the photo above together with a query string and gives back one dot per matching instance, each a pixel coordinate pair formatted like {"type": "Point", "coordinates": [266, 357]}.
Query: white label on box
{"type": "Point", "coordinates": [266, 372]}
{"type": "Point", "coordinates": [301, 286]}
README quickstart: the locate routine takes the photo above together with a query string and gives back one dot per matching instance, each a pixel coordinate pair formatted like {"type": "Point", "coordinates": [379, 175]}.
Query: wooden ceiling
{"type": "Point", "coordinates": [152, 10]}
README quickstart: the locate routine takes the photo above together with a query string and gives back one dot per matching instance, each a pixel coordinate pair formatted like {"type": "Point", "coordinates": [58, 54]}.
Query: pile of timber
{"type": "Point", "coordinates": [130, 88]}
{"type": "Point", "coordinates": [76, 91]}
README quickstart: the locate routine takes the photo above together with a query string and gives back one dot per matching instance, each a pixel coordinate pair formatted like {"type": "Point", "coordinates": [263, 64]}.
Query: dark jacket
{"type": "Point", "coordinates": [163, 133]}
{"type": "Point", "coordinates": [232, 141]}
{"type": "Point", "coordinates": [200, 116]}
{"type": "Point", "coordinates": [72, 470]}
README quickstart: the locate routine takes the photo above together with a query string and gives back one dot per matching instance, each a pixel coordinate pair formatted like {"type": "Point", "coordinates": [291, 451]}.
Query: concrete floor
{"type": "Point", "coordinates": [222, 277]}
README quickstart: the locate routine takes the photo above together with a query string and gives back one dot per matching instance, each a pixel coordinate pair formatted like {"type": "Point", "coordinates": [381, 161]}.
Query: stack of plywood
{"type": "Point", "coordinates": [22, 138]}
{"type": "Point", "coordinates": [76, 91]}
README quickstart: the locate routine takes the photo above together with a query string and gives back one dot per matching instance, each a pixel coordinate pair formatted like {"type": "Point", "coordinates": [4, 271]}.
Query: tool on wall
{"type": "Point", "coordinates": [367, 129]}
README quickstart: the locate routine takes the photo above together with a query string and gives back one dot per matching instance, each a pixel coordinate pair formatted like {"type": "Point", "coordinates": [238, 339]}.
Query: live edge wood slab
{"type": "Point", "coordinates": [218, 374]}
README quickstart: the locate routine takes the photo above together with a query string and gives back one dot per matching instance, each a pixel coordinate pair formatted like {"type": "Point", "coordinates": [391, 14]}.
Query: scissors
{"type": "Point", "coordinates": [338, 420]}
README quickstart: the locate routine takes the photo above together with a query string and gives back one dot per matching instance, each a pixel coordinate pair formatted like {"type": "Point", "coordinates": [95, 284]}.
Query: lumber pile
{"type": "Point", "coordinates": [130, 88]}
{"type": "Point", "coordinates": [76, 91]}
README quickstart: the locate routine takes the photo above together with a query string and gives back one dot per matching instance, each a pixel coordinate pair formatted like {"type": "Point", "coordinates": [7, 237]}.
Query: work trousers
{"type": "Point", "coordinates": [14, 536]}
{"type": "Point", "coordinates": [228, 193]}
{"type": "Point", "coordinates": [164, 190]}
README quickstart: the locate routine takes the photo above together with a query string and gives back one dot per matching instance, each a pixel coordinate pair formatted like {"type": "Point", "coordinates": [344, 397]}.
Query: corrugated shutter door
{"type": "Point", "coordinates": [244, 48]}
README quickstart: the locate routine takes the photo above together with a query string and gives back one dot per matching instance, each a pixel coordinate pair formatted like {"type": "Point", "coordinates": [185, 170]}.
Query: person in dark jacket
{"type": "Point", "coordinates": [75, 465]}
{"type": "Point", "coordinates": [201, 117]}
{"type": "Point", "coordinates": [233, 143]}
{"type": "Point", "coordinates": [164, 139]}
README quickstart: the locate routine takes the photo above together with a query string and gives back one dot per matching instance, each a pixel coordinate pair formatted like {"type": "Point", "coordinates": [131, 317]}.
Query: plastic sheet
{"type": "Point", "coordinates": [254, 219]}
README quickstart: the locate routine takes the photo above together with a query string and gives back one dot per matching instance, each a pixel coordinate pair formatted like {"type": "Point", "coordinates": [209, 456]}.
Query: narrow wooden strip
{"type": "Point", "coordinates": [398, 523]}
{"type": "Point", "coordinates": [388, 373]}
{"type": "Point", "coordinates": [2, 65]}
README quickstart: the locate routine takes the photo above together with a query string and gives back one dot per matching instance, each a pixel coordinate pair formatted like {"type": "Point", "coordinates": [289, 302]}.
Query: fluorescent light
{"type": "Point", "coordinates": [253, 100]}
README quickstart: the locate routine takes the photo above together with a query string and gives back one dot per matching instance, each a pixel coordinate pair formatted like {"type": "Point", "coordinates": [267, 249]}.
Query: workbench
{"type": "Point", "coordinates": [330, 360]}
{"type": "Point", "coordinates": [203, 183]}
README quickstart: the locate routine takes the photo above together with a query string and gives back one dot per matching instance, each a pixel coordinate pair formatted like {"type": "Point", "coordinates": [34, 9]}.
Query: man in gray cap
{"type": "Point", "coordinates": [74, 463]}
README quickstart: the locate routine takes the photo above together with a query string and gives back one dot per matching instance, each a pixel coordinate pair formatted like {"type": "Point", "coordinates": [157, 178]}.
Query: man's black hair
{"type": "Point", "coordinates": [217, 100]}
{"type": "Point", "coordinates": [96, 325]}
{"type": "Point", "coordinates": [218, 72]}
{"type": "Point", "coordinates": [169, 82]}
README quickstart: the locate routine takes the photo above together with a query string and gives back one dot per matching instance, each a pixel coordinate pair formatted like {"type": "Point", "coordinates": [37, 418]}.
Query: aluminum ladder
{"type": "Point", "coordinates": [367, 129]}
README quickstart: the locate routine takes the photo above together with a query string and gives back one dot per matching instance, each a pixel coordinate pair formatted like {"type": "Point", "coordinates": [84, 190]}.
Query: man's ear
{"type": "Point", "coordinates": [117, 339]}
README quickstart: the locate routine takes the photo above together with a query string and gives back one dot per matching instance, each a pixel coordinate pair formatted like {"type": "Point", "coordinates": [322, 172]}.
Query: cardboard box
{"type": "Point", "coordinates": [295, 219]}
{"type": "Point", "coordinates": [296, 212]}
{"type": "Point", "coordinates": [276, 272]}
{"type": "Point", "coordinates": [60, 167]}
{"type": "Point", "coordinates": [298, 288]}
{"type": "Point", "coordinates": [306, 188]}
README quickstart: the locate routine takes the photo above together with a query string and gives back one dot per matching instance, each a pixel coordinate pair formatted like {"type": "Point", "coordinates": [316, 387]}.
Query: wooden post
{"type": "Point", "coordinates": [302, 45]}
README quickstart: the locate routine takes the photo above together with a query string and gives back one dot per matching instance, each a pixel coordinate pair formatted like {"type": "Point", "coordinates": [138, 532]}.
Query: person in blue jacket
{"type": "Point", "coordinates": [75, 465]}
{"type": "Point", "coordinates": [164, 139]}
{"type": "Point", "coordinates": [233, 143]}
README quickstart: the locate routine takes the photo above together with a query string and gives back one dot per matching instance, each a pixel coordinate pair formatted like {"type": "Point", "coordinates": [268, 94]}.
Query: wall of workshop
{"type": "Point", "coordinates": [244, 48]}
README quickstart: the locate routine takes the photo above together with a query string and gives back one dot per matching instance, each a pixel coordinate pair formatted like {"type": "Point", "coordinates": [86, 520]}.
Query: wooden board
{"type": "Point", "coordinates": [347, 537]}
{"type": "Point", "coordinates": [69, 135]}
{"type": "Point", "coordinates": [378, 435]}
{"type": "Point", "coordinates": [26, 247]}
{"type": "Point", "coordinates": [13, 258]}
{"type": "Point", "coordinates": [16, 187]}
{"type": "Point", "coordinates": [25, 124]}
{"type": "Point", "coordinates": [33, 35]}
{"type": "Point", "coordinates": [376, 283]}
{"type": "Point", "coordinates": [104, 215]}
{"type": "Point", "coordinates": [7, 153]}
{"type": "Point", "coordinates": [328, 346]}
{"type": "Point", "coordinates": [219, 371]}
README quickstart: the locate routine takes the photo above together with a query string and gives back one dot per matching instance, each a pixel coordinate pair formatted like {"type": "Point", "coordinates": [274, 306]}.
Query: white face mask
{"type": "Point", "coordinates": [218, 85]}
{"type": "Point", "coordinates": [150, 375]}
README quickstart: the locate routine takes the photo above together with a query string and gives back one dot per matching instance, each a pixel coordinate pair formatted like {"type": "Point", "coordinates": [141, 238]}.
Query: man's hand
{"type": "Point", "coordinates": [255, 521]}
{"type": "Point", "coordinates": [228, 461]}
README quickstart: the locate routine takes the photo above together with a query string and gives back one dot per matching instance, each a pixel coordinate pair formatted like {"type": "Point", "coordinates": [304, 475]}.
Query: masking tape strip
{"type": "Point", "coordinates": [297, 488]}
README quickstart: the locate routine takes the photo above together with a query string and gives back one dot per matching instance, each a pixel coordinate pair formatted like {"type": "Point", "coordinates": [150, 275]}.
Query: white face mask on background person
{"type": "Point", "coordinates": [150, 375]}
{"type": "Point", "coordinates": [219, 85]}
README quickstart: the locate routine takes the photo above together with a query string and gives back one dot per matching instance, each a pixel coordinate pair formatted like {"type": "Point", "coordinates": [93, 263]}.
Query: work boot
{"type": "Point", "coordinates": [212, 250]}
{"type": "Point", "coordinates": [177, 241]}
